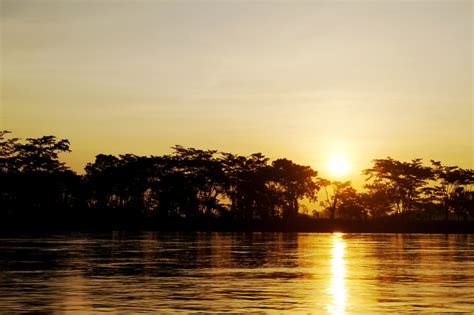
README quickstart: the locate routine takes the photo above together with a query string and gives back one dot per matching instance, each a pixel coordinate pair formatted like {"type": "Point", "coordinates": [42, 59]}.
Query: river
{"type": "Point", "coordinates": [207, 272]}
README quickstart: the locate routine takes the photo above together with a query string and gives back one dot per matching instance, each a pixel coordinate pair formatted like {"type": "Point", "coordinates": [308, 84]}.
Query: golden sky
{"type": "Point", "coordinates": [296, 79]}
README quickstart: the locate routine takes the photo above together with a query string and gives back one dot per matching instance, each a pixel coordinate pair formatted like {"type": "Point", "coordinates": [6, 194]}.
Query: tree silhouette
{"type": "Point", "coordinates": [207, 186]}
{"type": "Point", "coordinates": [246, 182]}
{"type": "Point", "coordinates": [34, 183]}
{"type": "Point", "coordinates": [350, 204]}
{"type": "Point", "coordinates": [403, 180]}
{"type": "Point", "coordinates": [378, 199]}
{"type": "Point", "coordinates": [450, 182]}
{"type": "Point", "coordinates": [295, 182]}
{"type": "Point", "coordinates": [8, 152]}
{"type": "Point", "coordinates": [205, 175]}
{"type": "Point", "coordinates": [333, 201]}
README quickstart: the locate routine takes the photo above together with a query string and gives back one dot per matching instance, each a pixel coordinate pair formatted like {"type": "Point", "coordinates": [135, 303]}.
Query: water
{"type": "Point", "coordinates": [238, 272]}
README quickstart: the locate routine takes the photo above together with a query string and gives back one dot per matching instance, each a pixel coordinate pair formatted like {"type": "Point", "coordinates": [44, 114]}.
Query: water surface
{"type": "Point", "coordinates": [239, 272]}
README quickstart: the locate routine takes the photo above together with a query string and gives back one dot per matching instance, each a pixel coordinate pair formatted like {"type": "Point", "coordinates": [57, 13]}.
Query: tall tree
{"type": "Point", "coordinates": [41, 154]}
{"type": "Point", "coordinates": [204, 172]}
{"type": "Point", "coordinates": [333, 200]}
{"type": "Point", "coordinates": [351, 204]}
{"type": "Point", "coordinates": [8, 152]}
{"type": "Point", "coordinates": [296, 182]}
{"type": "Point", "coordinates": [34, 182]}
{"type": "Point", "coordinates": [404, 180]}
{"type": "Point", "coordinates": [450, 181]}
{"type": "Point", "coordinates": [378, 199]}
{"type": "Point", "coordinates": [246, 185]}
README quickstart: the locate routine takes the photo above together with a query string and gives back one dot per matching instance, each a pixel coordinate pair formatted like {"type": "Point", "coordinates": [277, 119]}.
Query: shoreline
{"type": "Point", "coordinates": [296, 226]}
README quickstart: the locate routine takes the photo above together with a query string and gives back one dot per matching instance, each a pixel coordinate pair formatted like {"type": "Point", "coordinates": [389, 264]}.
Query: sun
{"type": "Point", "coordinates": [338, 165]}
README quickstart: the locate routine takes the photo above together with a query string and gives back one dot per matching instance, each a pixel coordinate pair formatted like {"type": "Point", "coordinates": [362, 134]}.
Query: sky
{"type": "Point", "coordinates": [303, 80]}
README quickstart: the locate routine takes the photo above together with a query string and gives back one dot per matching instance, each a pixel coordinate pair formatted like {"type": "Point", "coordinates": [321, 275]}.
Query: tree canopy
{"type": "Point", "coordinates": [191, 184]}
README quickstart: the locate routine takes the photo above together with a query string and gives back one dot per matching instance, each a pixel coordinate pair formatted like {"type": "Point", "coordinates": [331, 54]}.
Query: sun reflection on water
{"type": "Point", "coordinates": [337, 288]}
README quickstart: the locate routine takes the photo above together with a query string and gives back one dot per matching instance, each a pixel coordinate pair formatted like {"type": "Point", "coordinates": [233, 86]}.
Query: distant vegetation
{"type": "Point", "coordinates": [222, 189]}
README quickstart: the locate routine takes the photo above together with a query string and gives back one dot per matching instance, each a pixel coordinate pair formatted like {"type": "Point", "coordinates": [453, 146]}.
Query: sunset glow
{"type": "Point", "coordinates": [286, 79]}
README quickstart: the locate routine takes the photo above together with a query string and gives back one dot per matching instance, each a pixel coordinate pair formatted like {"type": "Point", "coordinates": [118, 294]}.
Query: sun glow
{"type": "Point", "coordinates": [338, 165]}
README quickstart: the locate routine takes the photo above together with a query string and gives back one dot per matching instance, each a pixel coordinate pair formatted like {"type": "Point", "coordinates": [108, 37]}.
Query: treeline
{"type": "Point", "coordinates": [192, 185]}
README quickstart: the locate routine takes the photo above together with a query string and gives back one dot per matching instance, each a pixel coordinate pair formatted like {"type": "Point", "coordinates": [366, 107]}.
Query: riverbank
{"type": "Point", "coordinates": [384, 225]}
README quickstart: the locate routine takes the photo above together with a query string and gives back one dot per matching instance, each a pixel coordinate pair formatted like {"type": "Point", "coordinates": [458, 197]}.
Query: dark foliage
{"type": "Point", "coordinates": [195, 188]}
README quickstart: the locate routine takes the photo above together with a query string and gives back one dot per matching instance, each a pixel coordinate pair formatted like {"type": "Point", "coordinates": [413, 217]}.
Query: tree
{"type": "Point", "coordinates": [8, 153]}
{"type": "Point", "coordinates": [33, 155]}
{"type": "Point", "coordinates": [333, 201]}
{"type": "Point", "coordinates": [350, 204]}
{"type": "Point", "coordinates": [378, 200]}
{"type": "Point", "coordinates": [34, 182]}
{"type": "Point", "coordinates": [450, 182]}
{"type": "Point", "coordinates": [295, 182]}
{"type": "Point", "coordinates": [41, 155]}
{"type": "Point", "coordinates": [204, 173]}
{"type": "Point", "coordinates": [102, 181]}
{"type": "Point", "coordinates": [119, 186]}
{"type": "Point", "coordinates": [402, 180]}
{"type": "Point", "coordinates": [462, 201]}
{"type": "Point", "coordinates": [246, 180]}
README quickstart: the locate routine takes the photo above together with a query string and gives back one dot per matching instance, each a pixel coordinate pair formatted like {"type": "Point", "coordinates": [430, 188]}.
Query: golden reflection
{"type": "Point", "coordinates": [337, 288]}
